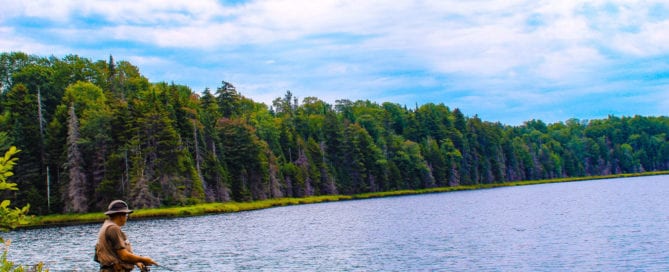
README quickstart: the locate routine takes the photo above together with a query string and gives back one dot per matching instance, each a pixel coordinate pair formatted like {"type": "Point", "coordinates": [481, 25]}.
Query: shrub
{"type": "Point", "coordinates": [11, 217]}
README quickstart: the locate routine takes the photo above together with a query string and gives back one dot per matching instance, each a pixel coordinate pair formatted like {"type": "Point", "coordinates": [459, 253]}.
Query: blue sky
{"type": "Point", "coordinates": [507, 61]}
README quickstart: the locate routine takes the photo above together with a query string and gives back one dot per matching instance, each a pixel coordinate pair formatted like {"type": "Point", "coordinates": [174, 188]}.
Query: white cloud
{"type": "Point", "coordinates": [505, 52]}
{"type": "Point", "coordinates": [153, 61]}
{"type": "Point", "coordinates": [571, 64]}
{"type": "Point", "coordinates": [11, 41]}
{"type": "Point", "coordinates": [117, 11]}
{"type": "Point", "coordinates": [57, 11]}
{"type": "Point", "coordinates": [651, 39]}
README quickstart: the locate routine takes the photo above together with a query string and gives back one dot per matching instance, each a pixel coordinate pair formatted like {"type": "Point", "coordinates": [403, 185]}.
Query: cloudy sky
{"type": "Point", "coordinates": [503, 60]}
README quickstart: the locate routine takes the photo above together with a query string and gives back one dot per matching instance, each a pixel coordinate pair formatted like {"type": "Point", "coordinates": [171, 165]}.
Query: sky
{"type": "Point", "coordinates": [505, 61]}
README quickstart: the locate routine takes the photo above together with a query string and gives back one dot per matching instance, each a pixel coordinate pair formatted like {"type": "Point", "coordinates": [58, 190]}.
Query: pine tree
{"type": "Point", "coordinates": [228, 99]}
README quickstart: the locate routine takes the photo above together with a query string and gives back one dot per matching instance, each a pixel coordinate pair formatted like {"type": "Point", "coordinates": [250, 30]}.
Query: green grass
{"type": "Point", "coordinates": [198, 209]}
{"type": "Point", "coordinates": [228, 207]}
{"type": "Point", "coordinates": [496, 185]}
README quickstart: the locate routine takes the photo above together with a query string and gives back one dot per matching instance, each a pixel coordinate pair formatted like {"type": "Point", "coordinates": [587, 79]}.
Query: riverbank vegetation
{"type": "Point", "coordinates": [93, 131]}
{"type": "Point", "coordinates": [229, 207]}
{"type": "Point", "coordinates": [11, 218]}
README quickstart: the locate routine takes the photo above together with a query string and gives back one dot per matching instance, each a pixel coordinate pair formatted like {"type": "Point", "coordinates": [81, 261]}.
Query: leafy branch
{"type": "Point", "coordinates": [10, 217]}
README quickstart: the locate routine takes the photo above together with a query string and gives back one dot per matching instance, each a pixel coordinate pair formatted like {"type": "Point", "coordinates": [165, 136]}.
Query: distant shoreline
{"type": "Point", "coordinates": [55, 220]}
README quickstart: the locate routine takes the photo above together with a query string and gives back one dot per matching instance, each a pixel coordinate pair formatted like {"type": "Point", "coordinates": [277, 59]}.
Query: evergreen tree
{"type": "Point", "coordinates": [162, 144]}
{"type": "Point", "coordinates": [228, 99]}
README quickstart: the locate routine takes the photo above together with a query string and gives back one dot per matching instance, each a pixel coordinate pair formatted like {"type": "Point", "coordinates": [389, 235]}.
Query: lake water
{"type": "Point", "coordinates": [602, 225]}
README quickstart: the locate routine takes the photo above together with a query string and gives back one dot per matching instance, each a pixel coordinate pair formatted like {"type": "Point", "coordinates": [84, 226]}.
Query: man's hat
{"type": "Point", "coordinates": [117, 206]}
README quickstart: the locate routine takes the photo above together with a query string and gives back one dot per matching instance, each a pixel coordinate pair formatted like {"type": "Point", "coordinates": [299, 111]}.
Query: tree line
{"type": "Point", "coordinates": [93, 131]}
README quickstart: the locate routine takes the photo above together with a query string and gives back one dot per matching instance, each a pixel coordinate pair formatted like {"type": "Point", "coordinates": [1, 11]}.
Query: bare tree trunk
{"type": "Point", "coordinates": [77, 200]}
{"type": "Point", "coordinates": [274, 181]}
{"type": "Point", "coordinates": [40, 116]}
{"type": "Point", "coordinates": [126, 171]}
{"type": "Point", "coordinates": [41, 122]}
{"type": "Point", "coordinates": [198, 159]}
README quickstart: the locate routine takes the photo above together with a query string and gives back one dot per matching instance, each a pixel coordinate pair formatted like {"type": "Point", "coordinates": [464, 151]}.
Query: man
{"type": "Point", "coordinates": [113, 250]}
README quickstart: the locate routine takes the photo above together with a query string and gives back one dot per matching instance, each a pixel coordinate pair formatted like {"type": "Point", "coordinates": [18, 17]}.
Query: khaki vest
{"type": "Point", "coordinates": [106, 255]}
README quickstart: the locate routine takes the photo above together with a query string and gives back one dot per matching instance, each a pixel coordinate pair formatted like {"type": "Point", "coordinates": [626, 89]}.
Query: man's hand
{"type": "Point", "coordinates": [129, 257]}
{"type": "Point", "coordinates": [148, 261]}
{"type": "Point", "coordinates": [142, 267]}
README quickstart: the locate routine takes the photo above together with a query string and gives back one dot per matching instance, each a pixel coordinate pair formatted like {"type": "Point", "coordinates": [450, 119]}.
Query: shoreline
{"type": "Point", "coordinates": [56, 220]}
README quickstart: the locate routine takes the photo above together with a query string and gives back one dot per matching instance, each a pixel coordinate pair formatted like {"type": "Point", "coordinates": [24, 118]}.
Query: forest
{"type": "Point", "coordinates": [92, 131]}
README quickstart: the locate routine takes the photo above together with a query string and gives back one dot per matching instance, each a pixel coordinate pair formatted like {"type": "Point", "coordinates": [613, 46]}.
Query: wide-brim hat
{"type": "Point", "coordinates": [117, 206]}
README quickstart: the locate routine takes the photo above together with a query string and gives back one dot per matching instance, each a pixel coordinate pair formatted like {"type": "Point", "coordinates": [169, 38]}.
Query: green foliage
{"type": "Point", "coordinates": [160, 144]}
{"type": "Point", "coordinates": [187, 210]}
{"type": "Point", "coordinates": [10, 217]}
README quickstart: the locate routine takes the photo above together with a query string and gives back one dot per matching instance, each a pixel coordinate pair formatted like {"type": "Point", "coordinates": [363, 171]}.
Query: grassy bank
{"type": "Point", "coordinates": [496, 185]}
{"type": "Point", "coordinates": [212, 208]}
{"type": "Point", "coordinates": [181, 211]}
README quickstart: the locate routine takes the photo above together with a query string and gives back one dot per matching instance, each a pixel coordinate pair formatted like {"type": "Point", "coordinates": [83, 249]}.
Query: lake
{"type": "Point", "coordinates": [600, 225]}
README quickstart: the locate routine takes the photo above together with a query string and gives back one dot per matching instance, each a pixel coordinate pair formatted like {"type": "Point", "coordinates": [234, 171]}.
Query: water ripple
{"type": "Point", "coordinates": [606, 225]}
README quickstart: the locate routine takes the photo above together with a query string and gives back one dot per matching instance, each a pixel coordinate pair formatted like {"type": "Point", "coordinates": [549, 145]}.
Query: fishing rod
{"type": "Point", "coordinates": [165, 267]}
{"type": "Point", "coordinates": [146, 268]}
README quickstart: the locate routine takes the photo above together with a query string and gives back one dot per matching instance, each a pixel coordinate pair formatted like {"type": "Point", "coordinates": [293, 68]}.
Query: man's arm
{"type": "Point", "coordinates": [129, 257]}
